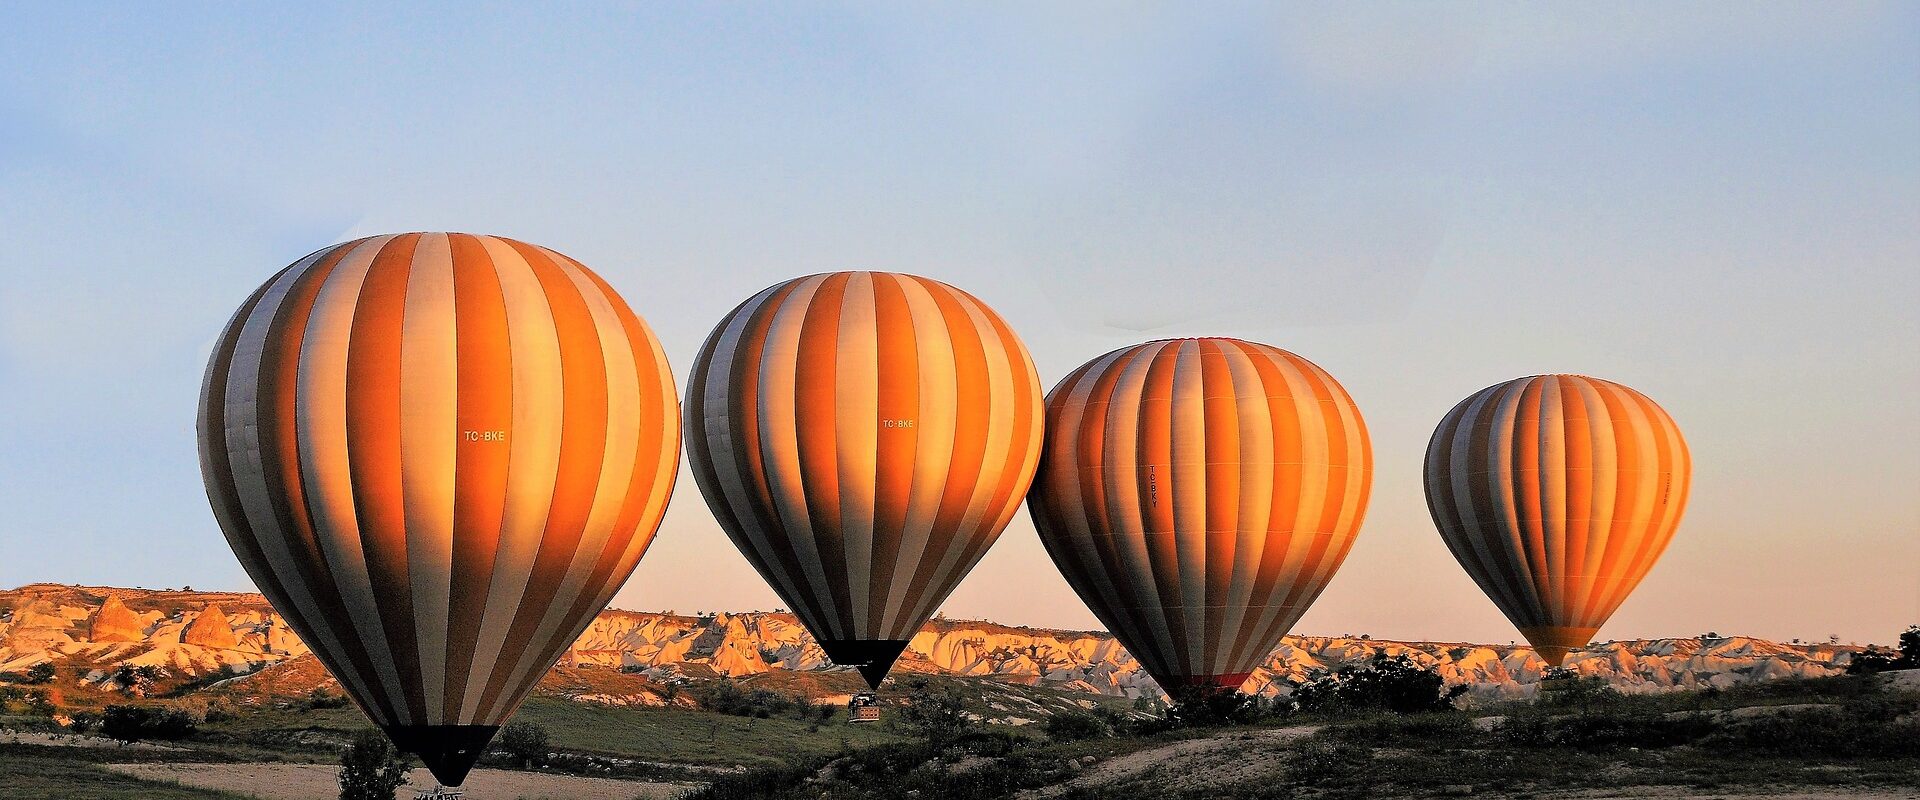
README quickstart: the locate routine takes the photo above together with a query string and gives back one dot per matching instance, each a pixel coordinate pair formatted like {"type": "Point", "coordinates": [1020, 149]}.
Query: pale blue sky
{"type": "Point", "coordinates": [1722, 211]}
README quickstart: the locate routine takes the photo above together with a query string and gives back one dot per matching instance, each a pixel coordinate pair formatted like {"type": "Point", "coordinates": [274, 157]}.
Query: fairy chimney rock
{"type": "Point", "coordinates": [114, 622]}
{"type": "Point", "coordinates": [210, 629]}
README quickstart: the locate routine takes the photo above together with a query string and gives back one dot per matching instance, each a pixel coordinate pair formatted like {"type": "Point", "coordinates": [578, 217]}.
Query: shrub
{"type": "Point", "coordinates": [1203, 707]}
{"type": "Point", "coordinates": [1876, 660]}
{"type": "Point", "coordinates": [321, 698]}
{"type": "Point", "coordinates": [1564, 689]}
{"type": "Point", "coordinates": [1073, 726]}
{"type": "Point", "coordinates": [1533, 727]}
{"type": "Point", "coordinates": [1449, 726]}
{"type": "Point", "coordinates": [1323, 759]}
{"type": "Point", "coordinates": [133, 723]}
{"type": "Point", "coordinates": [85, 722]}
{"type": "Point", "coordinates": [726, 697]}
{"type": "Point", "coordinates": [937, 715]}
{"type": "Point", "coordinates": [1386, 683]}
{"type": "Point", "coordinates": [369, 768]}
{"type": "Point", "coordinates": [526, 742]}
{"type": "Point", "coordinates": [1854, 730]}
{"type": "Point", "coordinates": [759, 783]}
{"type": "Point", "coordinates": [40, 673]}
{"type": "Point", "coordinates": [33, 702]}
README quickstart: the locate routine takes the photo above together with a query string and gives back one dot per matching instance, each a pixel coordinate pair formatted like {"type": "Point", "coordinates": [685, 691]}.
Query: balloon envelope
{"type": "Point", "coordinates": [863, 437]}
{"type": "Point", "coordinates": [1198, 494]}
{"type": "Point", "coordinates": [1557, 493]}
{"type": "Point", "coordinates": [438, 456]}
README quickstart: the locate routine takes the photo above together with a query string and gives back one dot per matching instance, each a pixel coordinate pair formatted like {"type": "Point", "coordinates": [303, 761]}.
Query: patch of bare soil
{"type": "Point", "coordinates": [317, 782]}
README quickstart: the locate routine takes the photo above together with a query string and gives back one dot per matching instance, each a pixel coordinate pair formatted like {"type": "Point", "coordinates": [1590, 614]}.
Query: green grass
{"type": "Point", "coordinates": [74, 773]}
{"type": "Point", "coordinates": [690, 737]}
{"type": "Point", "coordinates": [1861, 741]}
{"type": "Point", "coordinates": [674, 735]}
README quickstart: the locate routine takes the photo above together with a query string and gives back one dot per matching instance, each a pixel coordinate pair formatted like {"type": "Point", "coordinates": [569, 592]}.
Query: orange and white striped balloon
{"type": "Point", "coordinates": [1199, 494]}
{"type": "Point", "coordinates": [1557, 493]}
{"type": "Point", "coordinates": [863, 437]}
{"type": "Point", "coordinates": [438, 455]}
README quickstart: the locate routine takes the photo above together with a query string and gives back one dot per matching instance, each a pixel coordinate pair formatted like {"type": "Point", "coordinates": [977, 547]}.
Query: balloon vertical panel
{"type": "Point", "coordinates": [1199, 494]}
{"type": "Point", "coordinates": [1557, 493]}
{"type": "Point", "coordinates": [438, 455]}
{"type": "Point", "coordinates": [863, 438]}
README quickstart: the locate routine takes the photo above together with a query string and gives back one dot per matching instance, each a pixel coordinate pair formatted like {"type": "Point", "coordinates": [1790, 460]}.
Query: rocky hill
{"type": "Point", "coordinates": [189, 635]}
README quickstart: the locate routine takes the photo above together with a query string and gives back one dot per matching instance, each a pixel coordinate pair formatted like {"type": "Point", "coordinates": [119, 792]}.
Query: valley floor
{"type": "Point", "coordinates": [269, 781]}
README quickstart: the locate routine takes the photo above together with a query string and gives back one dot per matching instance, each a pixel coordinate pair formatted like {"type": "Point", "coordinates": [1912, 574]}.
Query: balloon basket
{"type": "Point", "coordinates": [863, 707]}
{"type": "Point", "coordinates": [439, 793]}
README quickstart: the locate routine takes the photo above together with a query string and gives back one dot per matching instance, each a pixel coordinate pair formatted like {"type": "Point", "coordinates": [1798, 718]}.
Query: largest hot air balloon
{"type": "Point", "coordinates": [438, 455]}
{"type": "Point", "coordinates": [1557, 493]}
{"type": "Point", "coordinates": [1198, 494]}
{"type": "Point", "coordinates": [863, 437]}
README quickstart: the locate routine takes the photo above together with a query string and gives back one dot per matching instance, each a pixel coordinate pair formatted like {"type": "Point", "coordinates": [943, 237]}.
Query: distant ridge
{"type": "Point", "coordinates": [190, 634]}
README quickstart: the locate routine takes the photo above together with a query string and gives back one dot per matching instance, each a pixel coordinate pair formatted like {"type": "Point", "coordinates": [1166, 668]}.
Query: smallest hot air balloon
{"type": "Point", "coordinates": [1557, 493]}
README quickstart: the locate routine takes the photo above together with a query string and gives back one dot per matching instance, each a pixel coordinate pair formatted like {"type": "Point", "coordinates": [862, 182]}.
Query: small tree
{"type": "Point", "coordinates": [133, 723]}
{"type": "Point", "coordinates": [320, 698]}
{"type": "Point", "coordinates": [40, 673]}
{"type": "Point", "coordinates": [1565, 689]}
{"type": "Point", "coordinates": [1387, 683]}
{"type": "Point", "coordinates": [370, 769]}
{"type": "Point", "coordinates": [85, 722]}
{"type": "Point", "coordinates": [526, 742]}
{"type": "Point", "coordinates": [126, 677]}
{"type": "Point", "coordinates": [937, 715]}
{"type": "Point", "coordinates": [1874, 659]}
{"type": "Point", "coordinates": [1199, 706]}
{"type": "Point", "coordinates": [1073, 726]}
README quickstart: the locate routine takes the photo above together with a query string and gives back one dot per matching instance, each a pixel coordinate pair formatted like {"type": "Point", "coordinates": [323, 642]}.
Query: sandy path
{"type": "Point", "coordinates": [316, 782]}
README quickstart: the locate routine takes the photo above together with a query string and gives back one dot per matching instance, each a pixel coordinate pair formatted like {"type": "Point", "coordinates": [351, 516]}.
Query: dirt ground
{"type": "Point", "coordinates": [316, 782]}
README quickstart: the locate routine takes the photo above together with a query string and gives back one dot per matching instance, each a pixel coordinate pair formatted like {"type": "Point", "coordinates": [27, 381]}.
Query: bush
{"type": "Point", "coordinates": [1854, 730]}
{"type": "Point", "coordinates": [1386, 683]}
{"type": "Point", "coordinates": [939, 716]}
{"type": "Point", "coordinates": [1448, 726]}
{"type": "Point", "coordinates": [32, 702]}
{"type": "Point", "coordinates": [85, 722]}
{"type": "Point", "coordinates": [40, 673]}
{"type": "Point", "coordinates": [321, 698]}
{"type": "Point", "coordinates": [134, 723]}
{"type": "Point", "coordinates": [1877, 660]}
{"type": "Point", "coordinates": [726, 697]}
{"type": "Point", "coordinates": [1564, 689]}
{"type": "Point", "coordinates": [1195, 706]}
{"type": "Point", "coordinates": [527, 743]}
{"type": "Point", "coordinates": [1073, 726]}
{"type": "Point", "coordinates": [1533, 727]}
{"type": "Point", "coordinates": [1328, 760]}
{"type": "Point", "coordinates": [369, 768]}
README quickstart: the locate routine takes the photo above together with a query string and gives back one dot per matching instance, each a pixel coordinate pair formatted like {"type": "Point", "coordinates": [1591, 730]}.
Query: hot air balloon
{"type": "Point", "coordinates": [863, 437]}
{"type": "Point", "coordinates": [1557, 493]}
{"type": "Point", "coordinates": [438, 455]}
{"type": "Point", "coordinates": [1198, 494]}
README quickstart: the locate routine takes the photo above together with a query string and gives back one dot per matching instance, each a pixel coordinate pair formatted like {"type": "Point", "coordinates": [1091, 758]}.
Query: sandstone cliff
{"type": "Point", "coordinates": [193, 634]}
